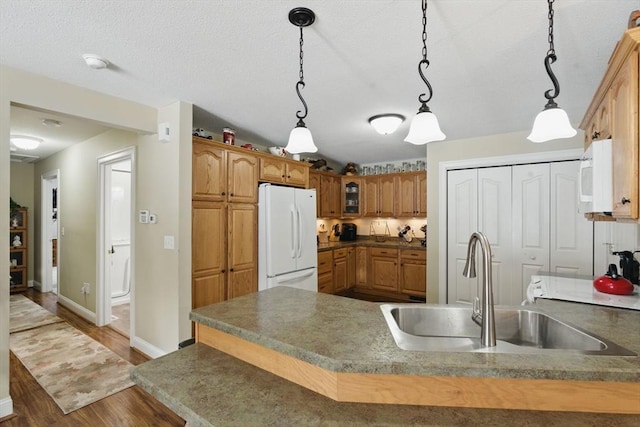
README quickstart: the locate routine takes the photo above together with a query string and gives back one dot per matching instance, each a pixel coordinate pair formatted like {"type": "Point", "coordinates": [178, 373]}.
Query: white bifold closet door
{"type": "Point", "coordinates": [529, 214]}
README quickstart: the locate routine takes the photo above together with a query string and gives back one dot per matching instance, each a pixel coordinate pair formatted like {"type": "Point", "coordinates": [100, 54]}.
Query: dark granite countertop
{"type": "Point", "coordinates": [209, 388]}
{"type": "Point", "coordinates": [347, 335]}
{"type": "Point", "coordinates": [390, 242]}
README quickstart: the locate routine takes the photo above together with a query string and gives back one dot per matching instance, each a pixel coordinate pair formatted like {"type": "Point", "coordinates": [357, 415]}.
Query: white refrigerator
{"type": "Point", "coordinates": [287, 242]}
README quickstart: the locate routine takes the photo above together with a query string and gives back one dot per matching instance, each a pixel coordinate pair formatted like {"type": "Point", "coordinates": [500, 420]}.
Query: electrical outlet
{"type": "Point", "coordinates": [85, 288]}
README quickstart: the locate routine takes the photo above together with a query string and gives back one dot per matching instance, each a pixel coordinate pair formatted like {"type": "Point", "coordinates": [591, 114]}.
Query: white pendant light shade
{"type": "Point", "coordinates": [300, 141]}
{"type": "Point", "coordinates": [386, 124]}
{"type": "Point", "coordinates": [26, 142]}
{"type": "Point", "coordinates": [424, 129]}
{"type": "Point", "coordinates": [551, 123]}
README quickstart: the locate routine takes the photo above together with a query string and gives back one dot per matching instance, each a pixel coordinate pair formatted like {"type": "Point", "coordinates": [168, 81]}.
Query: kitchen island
{"type": "Point", "coordinates": [342, 348]}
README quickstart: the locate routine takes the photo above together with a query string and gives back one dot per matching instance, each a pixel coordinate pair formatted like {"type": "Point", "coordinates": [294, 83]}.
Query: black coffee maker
{"type": "Point", "coordinates": [629, 265]}
{"type": "Point", "coordinates": [349, 232]}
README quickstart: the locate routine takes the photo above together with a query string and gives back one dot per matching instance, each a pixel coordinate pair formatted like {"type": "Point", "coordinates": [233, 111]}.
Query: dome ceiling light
{"type": "Point", "coordinates": [94, 61]}
{"type": "Point", "coordinates": [26, 142]}
{"type": "Point", "coordinates": [386, 124]}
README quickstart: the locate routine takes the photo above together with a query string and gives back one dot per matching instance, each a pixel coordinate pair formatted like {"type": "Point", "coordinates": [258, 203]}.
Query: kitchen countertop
{"type": "Point", "coordinates": [390, 242]}
{"type": "Point", "coordinates": [347, 335]}
{"type": "Point", "coordinates": [207, 387]}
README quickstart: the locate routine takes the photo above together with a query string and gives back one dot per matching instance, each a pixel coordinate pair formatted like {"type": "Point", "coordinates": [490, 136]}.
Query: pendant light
{"type": "Point", "coordinates": [552, 122]}
{"type": "Point", "coordinates": [424, 126]}
{"type": "Point", "coordinates": [300, 139]}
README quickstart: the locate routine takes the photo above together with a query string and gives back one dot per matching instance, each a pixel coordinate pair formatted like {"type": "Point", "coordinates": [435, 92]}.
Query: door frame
{"type": "Point", "coordinates": [445, 167]}
{"type": "Point", "coordinates": [103, 288]}
{"type": "Point", "coordinates": [45, 247]}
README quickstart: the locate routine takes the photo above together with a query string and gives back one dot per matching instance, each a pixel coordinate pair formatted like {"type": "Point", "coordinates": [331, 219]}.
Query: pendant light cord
{"type": "Point", "coordinates": [300, 85]}
{"type": "Point", "coordinates": [424, 62]}
{"type": "Point", "coordinates": [548, 60]}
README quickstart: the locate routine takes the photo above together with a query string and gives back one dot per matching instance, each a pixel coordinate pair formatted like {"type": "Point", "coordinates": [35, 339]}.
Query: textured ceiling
{"type": "Point", "coordinates": [237, 61]}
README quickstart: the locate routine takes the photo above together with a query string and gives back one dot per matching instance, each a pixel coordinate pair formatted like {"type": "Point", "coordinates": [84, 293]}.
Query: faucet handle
{"type": "Point", "coordinates": [476, 305]}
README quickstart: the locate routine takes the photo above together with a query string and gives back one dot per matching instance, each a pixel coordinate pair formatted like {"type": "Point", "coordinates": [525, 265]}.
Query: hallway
{"type": "Point", "coordinates": [130, 407]}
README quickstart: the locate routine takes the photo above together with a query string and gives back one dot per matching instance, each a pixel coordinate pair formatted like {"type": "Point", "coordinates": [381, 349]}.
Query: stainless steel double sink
{"type": "Point", "coordinates": [519, 330]}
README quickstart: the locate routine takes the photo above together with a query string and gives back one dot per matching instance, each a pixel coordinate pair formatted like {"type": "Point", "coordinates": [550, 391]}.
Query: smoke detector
{"type": "Point", "coordinates": [94, 61]}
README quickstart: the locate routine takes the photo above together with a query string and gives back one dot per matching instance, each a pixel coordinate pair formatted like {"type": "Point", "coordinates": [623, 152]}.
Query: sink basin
{"type": "Point", "coordinates": [427, 327]}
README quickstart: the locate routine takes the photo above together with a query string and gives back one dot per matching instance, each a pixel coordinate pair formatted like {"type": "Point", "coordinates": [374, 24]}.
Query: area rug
{"type": "Point", "coordinates": [74, 369]}
{"type": "Point", "coordinates": [25, 314]}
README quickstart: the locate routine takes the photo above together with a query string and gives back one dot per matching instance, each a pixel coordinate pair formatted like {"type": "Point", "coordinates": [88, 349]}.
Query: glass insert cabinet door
{"type": "Point", "coordinates": [351, 205]}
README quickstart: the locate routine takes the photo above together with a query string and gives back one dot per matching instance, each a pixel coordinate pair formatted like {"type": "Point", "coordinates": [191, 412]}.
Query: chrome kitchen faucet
{"type": "Point", "coordinates": [484, 317]}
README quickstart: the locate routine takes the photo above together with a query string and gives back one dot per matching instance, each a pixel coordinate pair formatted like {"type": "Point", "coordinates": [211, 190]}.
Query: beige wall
{"type": "Point", "coordinates": [471, 148]}
{"type": "Point", "coordinates": [22, 193]}
{"type": "Point", "coordinates": [78, 213]}
{"type": "Point", "coordinates": [160, 329]}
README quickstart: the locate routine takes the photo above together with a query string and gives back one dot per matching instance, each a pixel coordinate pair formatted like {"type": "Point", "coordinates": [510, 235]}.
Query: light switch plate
{"type": "Point", "coordinates": [168, 242]}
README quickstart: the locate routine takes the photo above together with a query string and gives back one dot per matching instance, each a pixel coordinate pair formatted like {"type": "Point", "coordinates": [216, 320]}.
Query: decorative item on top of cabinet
{"type": "Point", "coordinates": [18, 249]}
{"type": "Point", "coordinates": [351, 187]}
{"type": "Point", "coordinates": [412, 194]}
{"type": "Point", "coordinates": [614, 111]}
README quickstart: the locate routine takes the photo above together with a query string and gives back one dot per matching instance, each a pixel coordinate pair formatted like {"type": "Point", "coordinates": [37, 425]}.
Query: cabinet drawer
{"type": "Point", "coordinates": [325, 283]}
{"type": "Point", "coordinates": [407, 254]}
{"type": "Point", "coordinates": [325, 262]}
{"type": "Point", "coordinates": [339, 253]}
{"type": "Point", "coordinates": [387, 252]}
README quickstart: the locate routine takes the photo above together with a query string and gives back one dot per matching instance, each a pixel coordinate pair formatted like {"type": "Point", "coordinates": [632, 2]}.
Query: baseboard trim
{"type": "Point", "coordinates": [6, 407]}
{"type": "Point", "coordinates": [147, 348]}
{"type": "Point", "coordinates": [35, 284]}
{"type": "Point", "coordinates": [77, 308]}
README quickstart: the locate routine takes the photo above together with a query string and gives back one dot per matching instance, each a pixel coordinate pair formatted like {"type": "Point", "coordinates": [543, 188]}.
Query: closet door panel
{"type": "Point", "coordinates": [462, 208]}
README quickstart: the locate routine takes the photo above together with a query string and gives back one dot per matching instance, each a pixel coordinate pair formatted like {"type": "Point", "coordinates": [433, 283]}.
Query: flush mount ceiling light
{"type": "Point", "coordinates": [95, 61]}
{"type": "Point", "coordinates": [386, 124]}
{"type": "Point", "coordinates": [300, 139]}
{"type": "Point", "coordinates": [552, 122]}
{"type": "Point", "coordinates": [52, 123]}
{"type": "Point", "coordinates": [25, 142]}
{"type": "Point", "coordinates": [424, 126]}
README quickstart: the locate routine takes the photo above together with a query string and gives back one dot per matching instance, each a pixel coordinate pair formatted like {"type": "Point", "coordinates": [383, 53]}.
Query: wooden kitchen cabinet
{"type": "Point", "coordinates": [384, 269]}
{"type": "Point", "coordinates": [208, 265]}
{"type": "Point", "coordinates": [280, 171]}
{"type": "Point", "coordinates": [242, 246]}
{"type": "Point", "coordinates": [351, 266]}
{"type": "Point", "coordinates": [412, 194]}
{"type": "Point", "coordinates": [362, 262]}
{"type": "Point", "coordinates": [351, 190]}
{"type": "Point", "coordinates": [325, 272]}
{"type": "Point", "coordinates": [614, 112]}
{"type": "Point", "coordinates": [340, 271]}
{"type": "Point", "coordinates": [209, 172]}
{"type": "Point", "coordinates": [379, 196]}
{"type": "Point", "coordinates": [329, 196]}
{"type": "Point", "coordinates": [242, 178]}
{"type": "Point", "coordinates": [413, 272]}
{"type": "Point", "coordinates": [314, 183]}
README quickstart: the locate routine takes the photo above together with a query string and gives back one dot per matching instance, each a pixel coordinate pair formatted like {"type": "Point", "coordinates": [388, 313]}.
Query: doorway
{"type": "Point", "coordinates": [115, 241]}
{"type": "Point", "coordinates": [50, 190]}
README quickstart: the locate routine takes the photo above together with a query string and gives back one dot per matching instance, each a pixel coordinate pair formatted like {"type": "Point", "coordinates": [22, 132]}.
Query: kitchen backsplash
{"type": "Point", "coordinates": [610, 237]}
{"type": "Point", "coordinates": [364, 225]}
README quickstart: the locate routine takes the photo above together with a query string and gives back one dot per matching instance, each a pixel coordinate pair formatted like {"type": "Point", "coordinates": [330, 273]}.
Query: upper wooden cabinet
{"type": "Point", "coordinates": [411, 194]}
{"type": "Point", "coordinates": [209, 172]}
{"type": "Point", "coordinates": [242, 178]}
{"type": "Point", "coordinates": [277, 170]}
{"type": "Point", "coordinates": [314, 183]}
{"type": "Point", "coordinates": [614, 112]}
{"type": "Point", "coordinates": [329, 196]}
{"type": "Point", "coordinates": [351, 190]}
{"type": "Point", "coordinates": [379, 196]}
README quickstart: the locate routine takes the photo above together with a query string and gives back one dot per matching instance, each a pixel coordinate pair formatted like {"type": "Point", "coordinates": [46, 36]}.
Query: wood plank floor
{"type": "Point", "coordinates": [130, 407]}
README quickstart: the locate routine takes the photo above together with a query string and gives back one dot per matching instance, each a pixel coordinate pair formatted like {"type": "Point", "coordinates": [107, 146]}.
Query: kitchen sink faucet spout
{"type": "Point", "coordinates": [485, 316]}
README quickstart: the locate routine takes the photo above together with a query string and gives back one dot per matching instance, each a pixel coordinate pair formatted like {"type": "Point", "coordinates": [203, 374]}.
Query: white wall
{"type": "Point", "coordinates": [166, 177]}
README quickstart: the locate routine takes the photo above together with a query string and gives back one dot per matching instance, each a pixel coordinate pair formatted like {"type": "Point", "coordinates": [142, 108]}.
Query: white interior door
{"type": "Point", "coordinates": [530, 207]}
{"type": "Point", "coordinates": [571, 245]}
{"type": "Point", "coordinates": [494, 220]}
{"type": "Point", "coordinates": [462, 221]}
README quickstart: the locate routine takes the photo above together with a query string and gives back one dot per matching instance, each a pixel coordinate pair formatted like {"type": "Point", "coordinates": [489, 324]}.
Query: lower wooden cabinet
{"type": "Point", "coordinates": [384, 269]}
{"type": "Point", "coordinates": [325, 272]}
{"type": "Point", "coordinates": [340, 272]}
{"type": "Point", "coordinates": [362, 263]}
{"type": "Point", "coordinates": [413, 272]}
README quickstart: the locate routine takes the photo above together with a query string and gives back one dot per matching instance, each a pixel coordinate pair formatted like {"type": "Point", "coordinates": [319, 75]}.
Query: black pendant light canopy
{"type": "Point", "coordinates": [300, 139]}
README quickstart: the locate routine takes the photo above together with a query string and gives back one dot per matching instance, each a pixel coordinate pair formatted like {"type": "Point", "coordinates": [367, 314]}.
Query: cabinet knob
{"type": "Point", "coordinates": [224, 194]}
{"type": "Point", "coordinates": [624, 200]}
{"type": "Point", "coordinates": [231, 270]}
{"type": "Point", "coordinates": [222, 271]}
{"type": "Point", "coordinates": [231, 194]}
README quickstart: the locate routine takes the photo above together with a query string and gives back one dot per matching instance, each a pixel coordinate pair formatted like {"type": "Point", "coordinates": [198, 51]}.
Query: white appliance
{"type": "Point", "coordinates": [578, 289]}
{"type": "Point", "coordinates": [287, 242]}
{"type": "Point", "coordinates": [596, 178]}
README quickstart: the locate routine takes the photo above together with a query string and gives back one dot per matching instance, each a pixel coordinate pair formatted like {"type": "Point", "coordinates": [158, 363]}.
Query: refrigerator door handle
{"type": "Point", "coordinates": [297, 276]}
{"type": "Point", "coordinates": [293, 233]}
{"type": "Point", "coordinates": [299, 215]}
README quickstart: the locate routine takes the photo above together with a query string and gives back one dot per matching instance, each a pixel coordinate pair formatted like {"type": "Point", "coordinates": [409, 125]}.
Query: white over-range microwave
{"type": "Point", "coordinates": [596, 178]}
